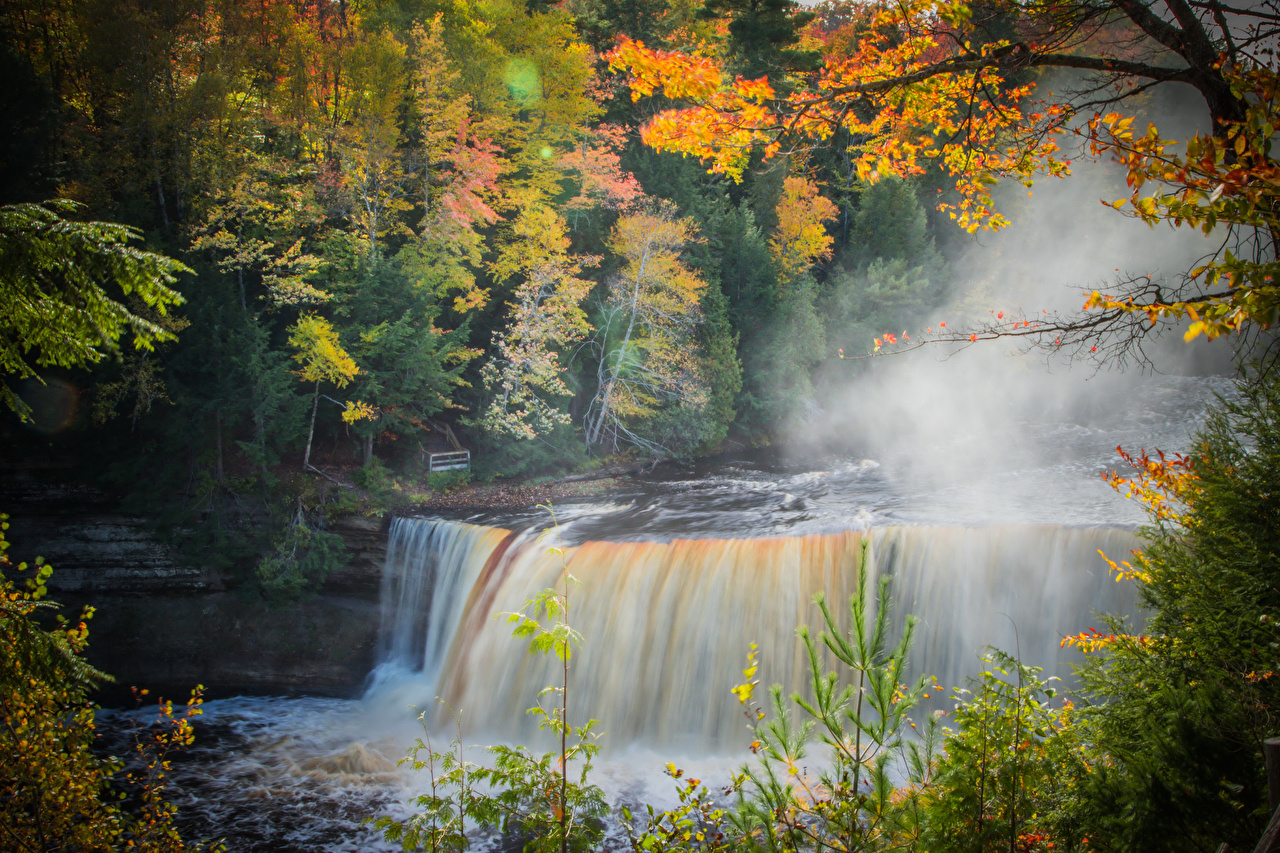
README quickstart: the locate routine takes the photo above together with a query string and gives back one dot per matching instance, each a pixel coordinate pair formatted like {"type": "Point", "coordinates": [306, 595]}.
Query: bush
{"type": "Point", "coordinates": [56, 792]}
{"type": "Point", "coordinates": [300, 561]}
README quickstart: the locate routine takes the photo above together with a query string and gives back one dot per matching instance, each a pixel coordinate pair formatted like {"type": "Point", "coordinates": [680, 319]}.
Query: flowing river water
{"type": "Point", "coordinates": [678, 577]}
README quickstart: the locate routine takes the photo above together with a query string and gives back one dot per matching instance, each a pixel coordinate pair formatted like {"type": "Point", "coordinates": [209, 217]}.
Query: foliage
{"type": "Point", "coordinates": [57, 310]}
{"type": "Point", "coordinates": [323, 360]}
{"type": "Point", "coordinates": [56, 791]}
{"type": "Point", "coordinates": [801, 238]}
{"type": "Point", "coordinates": [648, 357]}
{"type": "Point", "coordinates": [844, 799]}
{"type": "Point", "coordinates": [860, 721]}
{"type": "Point", "coordinates": [534, 794]}
{"type": "Point", "coordinates": [440, 824]}
{"type": "Point", "coordinates": [408, 368]}
{"type": "Point", "coordinates": [524, 376]}
{"type": "Point", "coordinates": [525, 795]}
{"type": "Point", "coordinates": [1180, 711]}
{"type": "Point", "coordinates": [302, 557]}
{"type": "Point", "coordinates": [449, 185]}
{"type": "Point", "coordinates": [321, 355]}
{"type": "Point", "coordinates": [954, 84]}
{"type": "Point", "coordinates": [444, 481]}
{"type": "Point", "coordinates": [257, 228]}
{"type": "Point", "coordinates": [1002, 771]}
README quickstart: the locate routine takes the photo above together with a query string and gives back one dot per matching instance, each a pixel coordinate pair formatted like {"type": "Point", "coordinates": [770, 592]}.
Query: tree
{"type": "Point", "coordinates": [533, 90]}
{"type": "Point", "coordinates": [408, 368]}
{"type": "Point", "coordinates": [1001, 773]}
{"type": "Point", "coordinates": [370, 145]}
{"type": "Point", "coordinates": [443, 106]}
{"type": "Point", "coordinates": [763, 36]}
{"type": "Point", "coordinates": [597, 169]}
{"type": "Point", "coordinates": [801, 239]}
{"type": "Point", "coordinates": [891, 272]}
{"type": "Point", "coordinates": [259, 227]}
{"type": "Point", "coordinates": [854, 714]}
{"type": "Point", "coordinates": [524, 376]}
{"type": "Point", "coordinates": [56, 791]}
{"type": "Point", "coordinates": [323, 360]}
{"type": "Point", "coordinates": [1178, 713]}
{"type": "Point", "coordinates": [57, 312]}
{"type": "Point", "coordinates": [954, 83]}
{"type": "Point", "coordinates": [796, 340]}
{"type": "Point", "coordinates": [647, 357]}
{"type": "Point", "coordinates": [537, 795]}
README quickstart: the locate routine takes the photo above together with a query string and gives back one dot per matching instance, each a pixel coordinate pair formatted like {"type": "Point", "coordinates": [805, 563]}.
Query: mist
{"type": "Point", "coordinates": [991, 429]}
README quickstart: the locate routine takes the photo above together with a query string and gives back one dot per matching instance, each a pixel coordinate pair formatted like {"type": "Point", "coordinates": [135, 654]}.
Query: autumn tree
{"type": "Point", "coordinates": [57, 791]}
{"type": "Point", "coordinates": [258, 230]}
{"type": "Point", "coordinates": [955, 83]}
{"type": "Point", "coordinates": [460, 174]}
{"type": "Point", "coordinates": [1181, 699]}
{"type": "Point", "coordinates": [450, 243]}
{"type": "Point", "coordinates": [533, 90]}
{"type": "Point", "coordinates": [596, 168]}
{"type": "Point", "coordinates": [524, 376]}
{"type": "Point", "coordinates": [647, 359]}
{"type": "Point", "coordinates": [376, 172]}
{"type": "Point", "coordinates": [801, 239]}
{"type": "Point", "coordinates": [442, 106]}
{"type": "Point", "coordinates": [323, 360]}
{"type": "Point", "coordinates": [796, 340]}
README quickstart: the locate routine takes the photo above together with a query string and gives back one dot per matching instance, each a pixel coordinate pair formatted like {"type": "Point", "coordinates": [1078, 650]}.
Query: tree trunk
{"type": "Point", "coordinates": [155, 171]}
{"type": "Point", "coordinates": [594, 436]}
{"type": "Point", "coordinates": [217, 425]}
{"type": "Point", "coordinates": [315, 404]}
{"type": "Point", "coordinates": [367, 448]}
{"type": "Point", "coordinates": [244, 305]}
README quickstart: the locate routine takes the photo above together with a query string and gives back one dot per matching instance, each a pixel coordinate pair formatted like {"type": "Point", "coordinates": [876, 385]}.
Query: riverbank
{"type": "Point", "coordinates": [521, 494]}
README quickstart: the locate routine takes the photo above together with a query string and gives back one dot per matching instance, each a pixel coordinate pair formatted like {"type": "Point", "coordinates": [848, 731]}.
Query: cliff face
{"type": "Point", "coordinates": [168, 626]}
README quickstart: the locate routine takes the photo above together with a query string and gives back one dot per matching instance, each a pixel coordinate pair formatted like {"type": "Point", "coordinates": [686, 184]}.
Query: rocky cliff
{"type": "Point", "coordinates": [167, 625]}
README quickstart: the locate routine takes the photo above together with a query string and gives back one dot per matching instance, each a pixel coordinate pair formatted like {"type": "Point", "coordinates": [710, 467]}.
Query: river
{"type": "Point", "coordinates": [679, 575]}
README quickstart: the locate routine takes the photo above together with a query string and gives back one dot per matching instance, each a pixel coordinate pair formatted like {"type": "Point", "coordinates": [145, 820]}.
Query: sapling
{"type": "Point", "coordinates": [441, 823]}
{"type": "Point", "coordinates": [860, 715]}
{"type": "Point", "coordinates": [535, 794]}
{"type": "Point", "coordinates": [524, 794]}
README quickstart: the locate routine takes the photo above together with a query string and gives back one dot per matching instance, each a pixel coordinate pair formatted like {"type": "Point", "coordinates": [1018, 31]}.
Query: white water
{"type": "Point", "coordinates": [668, 606]}
{"type": "Point", "coordinates": [667, 626]}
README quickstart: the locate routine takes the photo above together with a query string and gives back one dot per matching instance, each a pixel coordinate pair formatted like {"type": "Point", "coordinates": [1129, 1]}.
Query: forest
{"type": "Point", "coordinates": [406, 225]}
{"type": "Point", "coordinates": [340, 235]}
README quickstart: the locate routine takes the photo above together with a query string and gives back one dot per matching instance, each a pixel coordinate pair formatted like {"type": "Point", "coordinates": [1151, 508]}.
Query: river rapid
{"type": "Point", "coordinates": [990, 538]}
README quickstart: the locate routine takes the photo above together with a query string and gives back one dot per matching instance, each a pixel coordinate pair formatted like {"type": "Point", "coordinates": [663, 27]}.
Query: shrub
{"type": "Point", "coordinates": [56, 792]}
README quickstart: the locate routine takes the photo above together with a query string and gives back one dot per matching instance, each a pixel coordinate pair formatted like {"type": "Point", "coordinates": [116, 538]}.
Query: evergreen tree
{"type": "Point", "coordinates": [1178, 714]}
{"type": "Point", "coordinates": [763, 35]}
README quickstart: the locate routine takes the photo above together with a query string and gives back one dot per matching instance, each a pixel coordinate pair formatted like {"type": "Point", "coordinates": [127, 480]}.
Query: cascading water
{"type": "Point", "coordinates": [430, 569]}
{"type": "Point", "coordinates": [668, 624]}
{"type": "Point", "coordinates": [673, 592]}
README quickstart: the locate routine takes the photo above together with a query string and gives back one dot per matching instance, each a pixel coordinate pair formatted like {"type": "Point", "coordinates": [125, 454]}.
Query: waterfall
{"type": "Point", "coordinates": [667, 625]}
{"type": "Point", "coordinates": [430, 569]}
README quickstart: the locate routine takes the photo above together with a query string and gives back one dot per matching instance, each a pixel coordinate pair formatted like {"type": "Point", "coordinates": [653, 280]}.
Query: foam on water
{"type": "Point", "coordinates": [672, 593]}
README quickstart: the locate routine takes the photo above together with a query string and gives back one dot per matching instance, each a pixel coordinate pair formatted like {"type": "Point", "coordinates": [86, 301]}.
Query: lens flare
{"type": "Point", "coordinates": [53, 403]}
{"type": "Point", "coordinates": [522, 78]}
